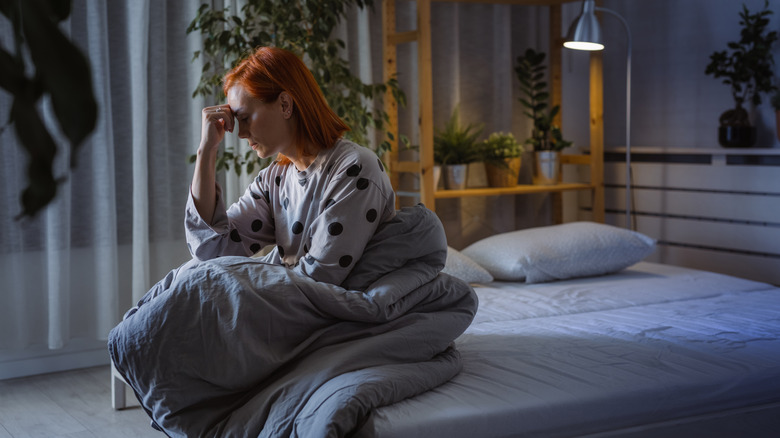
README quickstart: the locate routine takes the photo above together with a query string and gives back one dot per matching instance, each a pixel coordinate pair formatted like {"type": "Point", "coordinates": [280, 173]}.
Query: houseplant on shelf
{"type": "Point", "coordinates": [546, 137]}
{"type": "Point", "coordinates": [747, 67]}
{"type": "Point", "coordinates": [502, 155]}
{"type": "Point", "coordinates": [305, 28]}
{"type": "Point", "coordinates": [454, 147]}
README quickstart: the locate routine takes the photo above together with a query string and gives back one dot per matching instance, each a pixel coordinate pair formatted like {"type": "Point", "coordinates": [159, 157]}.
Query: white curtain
{"type": "Point", "coordinates": [116, 225]}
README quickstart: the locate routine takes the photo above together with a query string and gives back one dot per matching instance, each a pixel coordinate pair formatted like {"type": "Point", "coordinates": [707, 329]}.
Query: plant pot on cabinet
{"type": "Point", "coordinates": [503, 175]}
{"type": "Point", "coordinates": [737, 136]}
{"type": "Point", "coordinates": [436, 176]}
{"type": "Point", "coordinates": [455, 176]}
{"type": "Point", "coordinates": [547, 167]}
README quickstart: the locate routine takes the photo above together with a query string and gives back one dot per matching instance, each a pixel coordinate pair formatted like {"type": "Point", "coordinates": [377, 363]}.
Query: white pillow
{"type": "Point", "coordinates": [557, 252]}
{"type": "Point", "coordinates": [462, 267]}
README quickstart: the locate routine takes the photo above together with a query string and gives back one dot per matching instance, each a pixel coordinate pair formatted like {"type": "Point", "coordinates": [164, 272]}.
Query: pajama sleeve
{"type": "Point", "coordinates": [242, 230]}
{"type": "Point", "coordinates": [356, 201]}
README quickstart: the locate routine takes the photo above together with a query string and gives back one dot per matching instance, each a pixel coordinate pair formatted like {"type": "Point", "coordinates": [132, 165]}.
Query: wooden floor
{"type": "Point", "coordinates": [69, 404]}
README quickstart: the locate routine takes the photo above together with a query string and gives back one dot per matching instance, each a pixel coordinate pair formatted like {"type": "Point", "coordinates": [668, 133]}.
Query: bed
{"type": "Point", "coordinates": [647, 350]}
{"type": "Point", "coordinates": [575, 335]}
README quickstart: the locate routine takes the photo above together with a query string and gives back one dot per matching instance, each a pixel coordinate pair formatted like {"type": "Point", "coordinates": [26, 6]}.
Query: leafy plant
{"type": "Point", "coordinates": [303, 27]}
{"type": "Point", "coordinates": [531, 72]}
{"type": "Point", "coordinates": [500, 146]}
{"type": "Point", "coordinates": [747, 67]}
{"type": "Point", "coordinates": [56, 68]}
{"type": "Point", "coordinates": [456, 144]}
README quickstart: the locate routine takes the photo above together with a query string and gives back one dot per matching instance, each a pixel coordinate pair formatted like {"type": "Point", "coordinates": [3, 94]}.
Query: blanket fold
{"type": "Point", "coordinates": [237, 347]}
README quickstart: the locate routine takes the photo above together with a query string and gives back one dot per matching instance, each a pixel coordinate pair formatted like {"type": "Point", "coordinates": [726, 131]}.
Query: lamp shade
{"type": "Point", "coordinates": [585, 31]}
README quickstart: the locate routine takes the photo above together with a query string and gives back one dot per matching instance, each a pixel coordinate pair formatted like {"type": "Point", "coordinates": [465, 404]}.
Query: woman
{"type": "Point", "coordinates": [319, 203]}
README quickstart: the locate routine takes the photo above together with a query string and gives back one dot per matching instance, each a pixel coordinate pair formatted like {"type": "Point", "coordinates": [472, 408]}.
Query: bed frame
{"type": "Point", "coordinates": [424, 167]}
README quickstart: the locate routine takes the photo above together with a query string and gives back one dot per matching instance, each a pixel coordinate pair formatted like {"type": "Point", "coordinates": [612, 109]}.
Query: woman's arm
{"type": "Point", "coordinates": [213, 231]}
{"type": "Point", "coordinates": [215, 121]}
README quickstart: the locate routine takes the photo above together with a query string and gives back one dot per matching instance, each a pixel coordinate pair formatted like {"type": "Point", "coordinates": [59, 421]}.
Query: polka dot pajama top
{"type": "Point", "coordinates": [319, 220]}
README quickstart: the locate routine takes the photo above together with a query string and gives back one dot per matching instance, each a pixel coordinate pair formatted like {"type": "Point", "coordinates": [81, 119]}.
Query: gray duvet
{"type": "Point", "coordinates": [237, 347]}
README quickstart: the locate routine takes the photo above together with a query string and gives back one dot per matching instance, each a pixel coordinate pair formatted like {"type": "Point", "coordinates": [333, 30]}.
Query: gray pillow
{"type": "Point", "coordinates": [557, 252]}
{"type": "Point", "coordinates": [464, 268]}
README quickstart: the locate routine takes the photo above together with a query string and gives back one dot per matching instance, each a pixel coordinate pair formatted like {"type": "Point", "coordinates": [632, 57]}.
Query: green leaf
{"type": "Point", "coordinates": [64, 73]}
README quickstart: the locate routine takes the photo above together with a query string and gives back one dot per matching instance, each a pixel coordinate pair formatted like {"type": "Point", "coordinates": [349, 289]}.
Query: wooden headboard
{"type": "Point", "coordinates": [424, 167]}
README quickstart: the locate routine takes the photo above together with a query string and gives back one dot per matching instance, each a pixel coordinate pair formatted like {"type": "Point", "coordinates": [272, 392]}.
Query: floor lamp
{"type": "Point", "coordinates": [585, 34]}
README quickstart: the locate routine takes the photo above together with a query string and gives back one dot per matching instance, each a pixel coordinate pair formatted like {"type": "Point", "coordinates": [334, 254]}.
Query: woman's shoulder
{"type": "Point", "coordinates": [346, 154]}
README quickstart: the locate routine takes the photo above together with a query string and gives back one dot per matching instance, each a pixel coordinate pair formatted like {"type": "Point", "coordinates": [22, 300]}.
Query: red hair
{"type": "Point", "coordinates": [267, 73]}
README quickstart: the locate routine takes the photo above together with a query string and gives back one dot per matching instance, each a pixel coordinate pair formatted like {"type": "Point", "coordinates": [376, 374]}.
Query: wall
{"type": "Point", "coordinates": [719, 213]}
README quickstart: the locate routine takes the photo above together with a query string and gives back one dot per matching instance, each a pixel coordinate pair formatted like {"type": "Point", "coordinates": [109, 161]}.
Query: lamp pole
{"type": "Point", "coordinates": [628, 112]}
{"type": "Point", "coordinates": [585, 34]}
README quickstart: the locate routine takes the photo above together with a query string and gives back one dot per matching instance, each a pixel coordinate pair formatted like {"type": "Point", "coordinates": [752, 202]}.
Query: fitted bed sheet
{"type": "Point", "coordinates": [652, 344]}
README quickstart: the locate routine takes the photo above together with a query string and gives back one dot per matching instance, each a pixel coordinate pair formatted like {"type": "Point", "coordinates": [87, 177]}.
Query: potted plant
{"type": "Point", "coordinates": [546, 137]}
{"type": "Point", "coordinates": [502, 155]}
{"type": "Point", "coordinates": [304, 28]}
{"type": "Point", "coordinates": [747, 67]}
{"type": "Point", "coordinates": [454, 147]}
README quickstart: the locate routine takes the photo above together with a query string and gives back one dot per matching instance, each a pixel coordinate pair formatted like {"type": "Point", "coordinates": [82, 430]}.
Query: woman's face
{"type": "Point", "coordinates": [263, 124]}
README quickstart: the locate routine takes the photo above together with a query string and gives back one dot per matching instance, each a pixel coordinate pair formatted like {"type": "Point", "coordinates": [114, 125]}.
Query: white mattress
{"type": "Point", "coordinates": [651, 344]}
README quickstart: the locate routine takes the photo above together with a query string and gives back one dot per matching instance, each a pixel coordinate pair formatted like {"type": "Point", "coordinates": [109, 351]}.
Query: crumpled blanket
{"type": "Point", "coordinates": [237, 347]}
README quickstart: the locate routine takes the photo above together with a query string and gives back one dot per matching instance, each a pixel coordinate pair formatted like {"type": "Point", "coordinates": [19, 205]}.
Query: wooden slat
{"type": "Point", "coordinates": [517, 190]}
{"type": "Point", "coordinates": [425, 72]}
{"type": "Point", "coordinates": [390, 71]}
{"type": "Point", "coordinates": [739, 265]}
{"type": "Point", "coordinates": [757, 179]}
{"type": "Point", "coordinates": [575, 159]}
{"type": "Point", "coordinates": [402, 37]}
{"type": "Point", "coordinates": [734, 207]}
{"type": "Point", "coordinates": [596, 93]}
{"type": "Point", "coordinates": [725, 237]}
{"type": "Point", "coordinates": [513, 2]}
{"type": "Point", "coordinates": [405, 166]}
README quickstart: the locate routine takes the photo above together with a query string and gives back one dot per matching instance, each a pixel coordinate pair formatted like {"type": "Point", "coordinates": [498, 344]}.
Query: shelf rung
{"type": "Point", "coordinates": [516, 190]}
{"type": "Point", "coordinates": [575, 159]}
{"type": "Point", "coordinates": [405, 166]}
{"type": "Point", "coordinates": [403, 37]}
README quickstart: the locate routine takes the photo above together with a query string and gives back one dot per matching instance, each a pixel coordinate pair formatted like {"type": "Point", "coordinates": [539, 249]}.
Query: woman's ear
{"type": "Point", "coordinates": [287, 104]}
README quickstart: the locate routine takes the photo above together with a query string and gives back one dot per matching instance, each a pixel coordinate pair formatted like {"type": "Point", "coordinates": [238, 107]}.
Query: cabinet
{"type": "Point", "coordinates": [424, 167]}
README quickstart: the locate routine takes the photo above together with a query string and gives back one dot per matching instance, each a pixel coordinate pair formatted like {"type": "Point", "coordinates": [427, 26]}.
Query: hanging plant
{"type": "Point", "coordinates": [56, 69]}
{"type": "Point", "coordinates": [305, 28]}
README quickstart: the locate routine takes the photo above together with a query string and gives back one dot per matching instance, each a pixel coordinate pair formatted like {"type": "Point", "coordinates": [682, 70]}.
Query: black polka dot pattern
{"type": "Point", "coordinates": [354, 170]}
{"type": "Point", "coordinates": [281, 250]}
{"type": "Point", "coordinates": [371, 215]}
{"type": "Point", "coordinates": [297, 227]}
{"type": "Point", "coordinates": [309, 259]}
{"type": "Point", "coordinates": [381, 166]}
{"type": "Point", "coordinates": [362, 184]}
{"type": "Point", "coordinates": [257, 225]}
{"type": "Point", "coordinates": [256, 196]}
{"type": "Point", "coordinates": [286, 203]}
{"type": "Point", "coordinates": [335, 228]}
{"type": "Point", "coordinates": [254, 247]}
{"type": "Point", "coordinates": [267, 196]}
{"type": "Point", "coordinates": [345, 261]}
{"type": "Point", "coordinates": [278, 180]}
{"type": "Point", "coordinates": [234, 236]}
